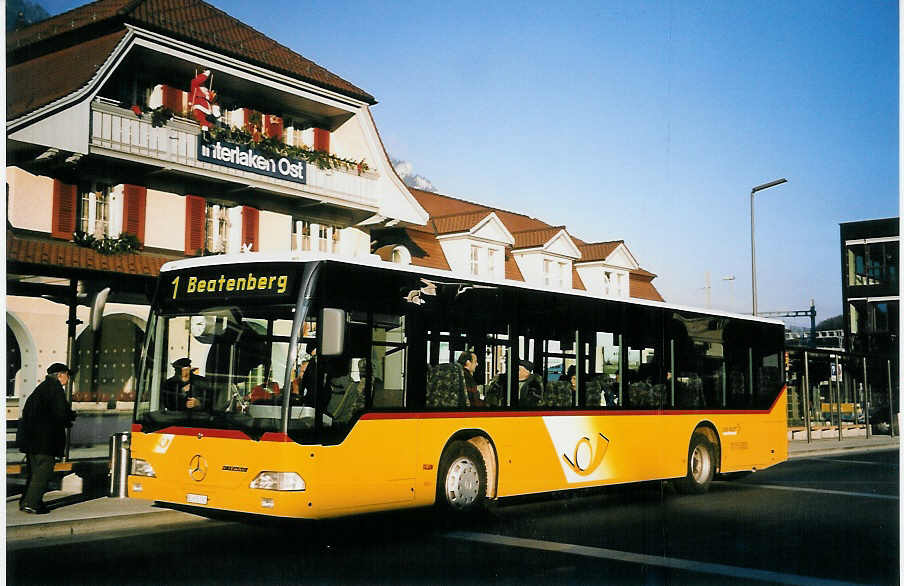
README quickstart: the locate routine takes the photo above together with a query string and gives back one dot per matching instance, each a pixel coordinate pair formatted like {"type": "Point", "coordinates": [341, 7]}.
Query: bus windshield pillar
{"type": "Point", "coordinates": [303, 305]}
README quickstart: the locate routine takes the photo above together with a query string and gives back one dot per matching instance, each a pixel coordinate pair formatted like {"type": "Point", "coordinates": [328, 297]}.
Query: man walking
{"type": "Point", "coordinates": [42, 435]}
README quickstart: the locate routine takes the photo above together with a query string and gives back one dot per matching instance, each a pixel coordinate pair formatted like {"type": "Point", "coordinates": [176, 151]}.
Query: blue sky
{"type": "Point", "coordinates": [643, 121]}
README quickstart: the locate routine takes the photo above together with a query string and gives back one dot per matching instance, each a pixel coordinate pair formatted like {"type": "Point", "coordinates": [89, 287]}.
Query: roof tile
{"type": "Point", "coordinates": [195, 21]}
{"type": "Point", "coordinates": [43, 80]}
{"type": "Point", "coordinates": [69, 255]}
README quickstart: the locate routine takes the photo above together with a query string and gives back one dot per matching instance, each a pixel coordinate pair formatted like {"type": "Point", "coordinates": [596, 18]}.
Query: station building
{"type": "Point", "coordinates": [870, 290]}
{"type": "Point", "coordinates": [115, 167]}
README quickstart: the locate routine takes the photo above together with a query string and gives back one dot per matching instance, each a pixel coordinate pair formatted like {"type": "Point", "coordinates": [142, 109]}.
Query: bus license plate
{"type": "Point", "coordinates": [197, 499]}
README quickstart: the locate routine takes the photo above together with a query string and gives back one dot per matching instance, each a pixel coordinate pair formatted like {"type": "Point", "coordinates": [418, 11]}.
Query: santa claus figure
{"type": "Point", "coordinates": [201, 98]}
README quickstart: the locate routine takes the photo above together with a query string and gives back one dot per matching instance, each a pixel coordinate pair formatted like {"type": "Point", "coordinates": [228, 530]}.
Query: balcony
{"type": "Point", "coordinates": [119, 133]}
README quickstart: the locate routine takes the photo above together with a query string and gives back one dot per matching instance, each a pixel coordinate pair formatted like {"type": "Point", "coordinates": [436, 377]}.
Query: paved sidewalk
{"type": "Point", "coordinates": [819, 447]}
{"type": "Point", "coordinates": [76, 518]}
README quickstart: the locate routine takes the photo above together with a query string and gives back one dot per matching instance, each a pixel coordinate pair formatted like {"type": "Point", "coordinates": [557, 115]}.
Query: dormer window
{"type": "Point", "coordinates": [491, 262]}
{"type": "Point", "coordinates": [554, 273]}
{"type": "Point", "coordinates": [401, 256]}
{"type": "Point", "coordinates": [615, 284]}
{"type": "Point", "coordinates": [475, 260]}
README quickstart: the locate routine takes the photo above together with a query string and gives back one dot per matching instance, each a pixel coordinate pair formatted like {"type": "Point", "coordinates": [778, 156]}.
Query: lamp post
{"type": "Point", "coordinates": [752, 242]}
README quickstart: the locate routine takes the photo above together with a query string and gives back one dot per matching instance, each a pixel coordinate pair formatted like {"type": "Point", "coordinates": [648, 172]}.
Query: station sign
{"type": "Point", "coordinates": [246, 158]}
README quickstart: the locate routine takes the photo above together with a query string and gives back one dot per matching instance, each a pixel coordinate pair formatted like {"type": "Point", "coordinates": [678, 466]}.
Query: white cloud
{"type": "Point", "coordinates": [406, 171]}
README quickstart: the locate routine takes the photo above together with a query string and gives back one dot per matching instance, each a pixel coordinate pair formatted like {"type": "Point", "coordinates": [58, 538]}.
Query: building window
{"type": "Point", "coordinates": [100, 211]}
{"type": "Point", "coordinates": [563, 269]}
{"type": "Point", "coordinates": [401, 256]}
{"type": "Point", "coordinates": [872, 263]}
{"type": "Point", "coordinates": [217, 226]}
{"type": "Point", "coordinates": [547, 272]}
{"type": "Point", "coordinates": [475, 260]}
{"type": "Point", "coordinates": [491, 262]}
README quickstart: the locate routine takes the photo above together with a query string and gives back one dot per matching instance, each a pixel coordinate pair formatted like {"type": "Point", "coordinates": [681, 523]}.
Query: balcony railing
{"type": "Point", "coordinates": [120, 132]}
{"type": "Point", "coordinates": [306, 243]}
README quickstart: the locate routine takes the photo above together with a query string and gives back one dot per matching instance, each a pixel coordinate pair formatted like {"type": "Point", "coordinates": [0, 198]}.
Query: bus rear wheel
{"type": "Point", "coordinates": [462, 485]}
{"type": "Point", "coordinates": [701, 466]}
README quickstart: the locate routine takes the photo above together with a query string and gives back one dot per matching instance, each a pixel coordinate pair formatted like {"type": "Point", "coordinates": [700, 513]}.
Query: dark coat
{"type": "Point", "coordinates": [45, 417]}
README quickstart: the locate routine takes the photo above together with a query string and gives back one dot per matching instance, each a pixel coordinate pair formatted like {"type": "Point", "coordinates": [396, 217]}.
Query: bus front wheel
{"type": "Point", "coordinates": [701, 466]}
{"type": "Point", "coordinates": [462, 485]}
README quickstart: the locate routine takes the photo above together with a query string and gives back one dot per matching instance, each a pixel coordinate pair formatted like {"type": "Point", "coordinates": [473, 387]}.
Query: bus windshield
{"type": "Point", "coordinates": [222, 367]}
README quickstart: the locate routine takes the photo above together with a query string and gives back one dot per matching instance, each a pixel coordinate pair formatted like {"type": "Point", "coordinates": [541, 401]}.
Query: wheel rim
{"type": "Point", "coordinates": [462, 483]}
{"type": "Point", "coordinates": [701, 465]}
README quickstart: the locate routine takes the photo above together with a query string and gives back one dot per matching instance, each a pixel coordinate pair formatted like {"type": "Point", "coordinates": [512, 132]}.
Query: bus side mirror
{"type": "Point", "coordinates": [332, 341]}
{"type": "Point", "coordinates": [97, 308]}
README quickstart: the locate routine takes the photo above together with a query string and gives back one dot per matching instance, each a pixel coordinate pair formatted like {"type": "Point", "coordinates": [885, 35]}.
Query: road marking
{"type": "Point", "coordinates": [639, 558]}
{"type": "Point", "coordinates": [823, 491]}
{"type": "Point", "coordinates": [889, 464]}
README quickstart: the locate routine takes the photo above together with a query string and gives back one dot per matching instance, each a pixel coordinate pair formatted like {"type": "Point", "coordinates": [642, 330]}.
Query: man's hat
{"type": "Point", "coordinates": [182, 363]}
{"type": "Point", "coordinates": [58, 367]}
{"type": "Point", "coordinates": [527, 364]}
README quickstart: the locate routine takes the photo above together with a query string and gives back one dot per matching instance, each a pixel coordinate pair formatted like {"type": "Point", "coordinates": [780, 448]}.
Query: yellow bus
{"type": "Point", "coordinates": [308, 386]}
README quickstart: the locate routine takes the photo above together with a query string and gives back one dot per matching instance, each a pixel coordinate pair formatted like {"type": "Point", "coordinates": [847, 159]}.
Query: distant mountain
{"type": "Point", "coordinates": [406, 171]}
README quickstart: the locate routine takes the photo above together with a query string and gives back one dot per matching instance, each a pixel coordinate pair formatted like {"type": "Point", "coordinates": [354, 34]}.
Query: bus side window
{"type": "Point", "coordinates": [602, 355]}
{"type": "Point", "coordinates": [388, 360]}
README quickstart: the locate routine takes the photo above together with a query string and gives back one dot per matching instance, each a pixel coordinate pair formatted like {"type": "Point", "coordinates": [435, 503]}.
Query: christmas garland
{"type": "Point", "coordinates": [277, 148]}
{"type": "Point", "coordinates": [107, 245]}
{"type": "Point", "coordinates": [271, 146]}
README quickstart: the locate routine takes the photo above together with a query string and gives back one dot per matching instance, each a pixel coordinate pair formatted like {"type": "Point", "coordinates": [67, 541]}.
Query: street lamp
{"type": "Point", "coordinates": [752, 242]}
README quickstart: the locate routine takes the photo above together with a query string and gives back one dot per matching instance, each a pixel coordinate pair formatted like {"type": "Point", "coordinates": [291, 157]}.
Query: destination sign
{"type": "Point", "coordinates": [245, 158]}
{"type": "Point", "coordinates": [229, 283]}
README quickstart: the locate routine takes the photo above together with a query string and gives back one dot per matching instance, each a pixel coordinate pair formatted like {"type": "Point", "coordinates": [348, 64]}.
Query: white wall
{"type": "Point", "coordinates": [30, 205]}
{"type": "Point", "coordinates": [354, 242]}
{"type": "Point", "coordinates": [348, 142]}
{"type": "Point", "coordinates": [274, 232]}
{"type": "Point", "coordinates": [164, 220]}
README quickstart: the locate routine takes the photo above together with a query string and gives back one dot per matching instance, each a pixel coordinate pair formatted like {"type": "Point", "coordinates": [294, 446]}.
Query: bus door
{"type": "Point", "coordinates": [369, 448]}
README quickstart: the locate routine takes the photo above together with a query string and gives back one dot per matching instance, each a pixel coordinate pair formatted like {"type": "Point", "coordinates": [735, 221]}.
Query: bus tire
{"type": "Point", "coordinates": [462, 482]}
{"type": "Point", "coordinates": [701, 466]}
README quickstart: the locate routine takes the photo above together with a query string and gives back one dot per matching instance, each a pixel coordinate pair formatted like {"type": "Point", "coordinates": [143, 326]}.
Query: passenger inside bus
{"type": "Point", "coordinates": [447, 384]}
{"type": "Point", "coordinates": [468, 362]}
{"type": "Point", "coordinates": [530, 387]}
{"type": "Point", "coordinates": [560, 393]}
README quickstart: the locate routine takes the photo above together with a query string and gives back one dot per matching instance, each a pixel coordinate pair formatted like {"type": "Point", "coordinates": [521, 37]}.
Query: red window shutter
{"type": "Point", "coordinates": [250, 225]}
{"type": "Point", "coordinates": [134, 209]}
{"type": "Point", "coordinates": [65, 201]}
{"type": "Point", "coordinates": [195, 216]}
{"type": "Point", "coordinates": [321, 140]}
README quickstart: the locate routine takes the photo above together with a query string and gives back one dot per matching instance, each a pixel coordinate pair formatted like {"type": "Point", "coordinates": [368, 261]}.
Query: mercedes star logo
{"type": "Point", "coordinates": [197, 468]}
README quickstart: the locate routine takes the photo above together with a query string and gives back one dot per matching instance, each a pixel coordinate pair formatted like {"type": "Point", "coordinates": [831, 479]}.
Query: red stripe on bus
{"type": "Point", "coordinates": [136, 427]}
{"type": "Point", "coordinates": [206, 432]}
{"type": "Point", "coordinates": [571, 412]}
{"type": "Point", "coordinates": [272, 436]}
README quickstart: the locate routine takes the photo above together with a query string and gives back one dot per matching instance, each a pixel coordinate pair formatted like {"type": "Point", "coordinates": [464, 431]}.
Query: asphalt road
{"type": "Point", "coordinates": [809, 521]}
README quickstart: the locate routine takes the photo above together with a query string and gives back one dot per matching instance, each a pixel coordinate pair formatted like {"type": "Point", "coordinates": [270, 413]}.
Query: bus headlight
{"type": "Point", "coordinates": [269, 480]}
{"type": "Point", "coordinates": [142, 468]}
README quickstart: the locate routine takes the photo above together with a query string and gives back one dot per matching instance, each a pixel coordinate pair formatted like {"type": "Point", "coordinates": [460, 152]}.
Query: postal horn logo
{"type": "Point", "coordinates": [197, 468]}
{"type": "Point", "coordinates": [587, 457]}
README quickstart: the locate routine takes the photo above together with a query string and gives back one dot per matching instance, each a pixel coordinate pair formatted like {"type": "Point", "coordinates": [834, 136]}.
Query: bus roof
{"type": "Point", "coordinates": [376, 262]}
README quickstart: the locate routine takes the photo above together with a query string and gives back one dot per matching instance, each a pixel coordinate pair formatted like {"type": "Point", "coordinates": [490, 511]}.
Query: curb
{"type": "Point", "coordinates": [891, 446]}
{"type": "Point", "coordinates": [80, 530]}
